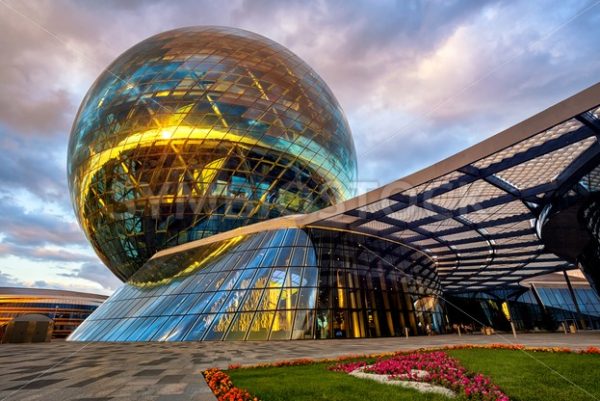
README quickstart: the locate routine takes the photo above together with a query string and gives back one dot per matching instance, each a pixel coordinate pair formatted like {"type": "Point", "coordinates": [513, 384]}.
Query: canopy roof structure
{"type": "Point", "coordinates": [475, 213]}
{"type": "Point", "coordinates": [476, 216]}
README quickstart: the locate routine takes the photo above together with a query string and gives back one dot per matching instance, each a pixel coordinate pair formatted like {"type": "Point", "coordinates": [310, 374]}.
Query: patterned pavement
{"type": "Point", "coordinates": [172, 371]}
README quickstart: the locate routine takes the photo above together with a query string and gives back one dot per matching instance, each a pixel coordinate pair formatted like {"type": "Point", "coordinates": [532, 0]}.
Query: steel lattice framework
{"type": "Point", "coordinates": [475, 214]}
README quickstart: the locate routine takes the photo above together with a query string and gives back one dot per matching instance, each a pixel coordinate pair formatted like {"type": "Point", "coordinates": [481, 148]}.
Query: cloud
{"type": "Point", "coordinates": [44, 254]}
{"type": "Point", "coordinates": [19, 227]}
{"type": "Point", "coordinates": [97, 273]}
{"type": "Point", "coordinates": [35, 165]}
{"type": "Point", "coordinates": [417, 80]}
{"type": "Point", "coordinates": [7, 280]}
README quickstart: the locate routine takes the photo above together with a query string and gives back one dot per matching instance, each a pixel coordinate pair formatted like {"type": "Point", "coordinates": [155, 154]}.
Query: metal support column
{"type": "Point", "coordinates": [574, 298]}
{"type": "Point", "coordinates": [538, 299]}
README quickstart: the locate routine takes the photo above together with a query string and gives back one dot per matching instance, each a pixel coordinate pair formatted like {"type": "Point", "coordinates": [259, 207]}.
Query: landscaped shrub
{"type": "Point", "coordinates": [221, 385]}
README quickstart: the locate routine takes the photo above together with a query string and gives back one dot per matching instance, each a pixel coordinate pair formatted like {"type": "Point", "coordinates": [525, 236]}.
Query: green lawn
{"type": "Point", "coordinates": [315, 382]}
{"type": "Point", "coordinates": [521, 377]}
{"type": "Point", "coordinates": [533, 376]}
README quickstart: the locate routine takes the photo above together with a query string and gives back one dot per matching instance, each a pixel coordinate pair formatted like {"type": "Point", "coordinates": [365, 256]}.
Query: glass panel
{"type": "Point", "coordinates": [142, 326]}
{"type": "Point", "coordinates": [152, 328]}
{"type": "Point", "coordinates": [252, 300]}
{"type": "Point", "coordinates": [165, 303]}
{"type": "Point", "coordinates": [269, 257]}
{"type": "Point", "coordinates": [219, 327]}
{"type": "Point", "coordinates": [306, 298]}
{"type": "Point", "coordinates": [217, 301]}
{"type": "Point", "coordinates": [231, 280]}
{"type": "Point", "coordinates": [278, 277]}
{"type": "Point", "coordinates": [298, 257]}
{"type": "Point", "coordinates": [234, 300]}
{"type": "Point", "coordinates": [119, 333]}
{"type": "Point", "coordinates": [245, 279]}
{"type": "Point", "coordinates": [202, 301]}
{"type": "Point", "coordinates": [310, 277]}
{"type": "Point", "coordinates": [135, 326]}
{"type": "Point", "coordinates": [270, 299]}
{"type": "Point", "coordinates": [294, 277]}
{"type": "Point", "coordinates": [197, 331]}
{"type": "Point", "coordinates": [174, 307]}
{"type": "Point", "coordinates": [185, 306]}
{"type": "Point", "coordinates": [283, 257]}
{"type": "Point", "coordinates": [239, 326]}
{"type": "Point", "coordinates": [163, 333]}
{"type": "Point", "coordinates": [259, 330]}
{"type": "Point", "coordinates": [220, 281]}
{"type": "Point", "coordinates": [282, 325]}
{"type": "Point", "coordinates": [288, 299]}
{"type": "Point", "coordinates": [182, 328]}
{"type": "Point", "coordinates": [261, 278]}
{"type": "Point", "coordinates": [97, 330]}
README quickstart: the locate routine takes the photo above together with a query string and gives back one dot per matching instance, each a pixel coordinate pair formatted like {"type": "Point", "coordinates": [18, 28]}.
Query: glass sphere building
{"type": "Point", "coordinates": [211, 168]}
{"type": "Point", "coordinates": [197, 131]}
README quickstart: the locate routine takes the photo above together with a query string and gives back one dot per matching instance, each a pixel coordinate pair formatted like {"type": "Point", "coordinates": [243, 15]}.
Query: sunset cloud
{"type": "Point", "coordinates": [418, 81]}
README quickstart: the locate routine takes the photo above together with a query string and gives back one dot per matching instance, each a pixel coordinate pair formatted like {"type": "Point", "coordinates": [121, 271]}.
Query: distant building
{"type": "Point", "coordinates": [67, 308]}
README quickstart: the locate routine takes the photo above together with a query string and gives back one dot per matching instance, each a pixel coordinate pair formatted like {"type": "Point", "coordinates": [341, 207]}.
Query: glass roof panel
{"type": "Point", "coordinates": [536, 140]}
{"type": "Point", "coordinates": [480, 229]}
{"type": "Point", "coordinates": [467, 195]}
{"type": "Point", "coordinates": [411, 213]}
{"type": "Point", "coordinates": [545, 168]}
{"type": "Point", "coordinates": [497, 212]}
{"type": "Point", "coordinates": [376, 225]}
{"type": "Point", "coordinates": [377, 206]}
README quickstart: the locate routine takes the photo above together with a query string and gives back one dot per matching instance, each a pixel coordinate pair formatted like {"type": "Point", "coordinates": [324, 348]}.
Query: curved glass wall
{"type": "Point", "coordinates": [259, 287]}
{"type": "Point", "coordinates": [367, 286]}
{"type": "Point", "coordinates": [272, 285]}
{"type": "Point", "coordinates": [554, 307]}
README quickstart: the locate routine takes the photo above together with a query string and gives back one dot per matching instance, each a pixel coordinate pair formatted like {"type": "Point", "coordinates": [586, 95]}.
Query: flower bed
{"type": "Point", "coordinates": [431, 367]}
{"type": "Point", "coordinates": [221, 385]}
{"type": "Point", "coordinates": [223, 388]}
{"type": "Point", "coordinates": [513, 347]}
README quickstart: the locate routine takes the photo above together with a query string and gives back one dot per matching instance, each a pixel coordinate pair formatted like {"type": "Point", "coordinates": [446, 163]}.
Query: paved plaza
{"type": "Point", "coordinates": [172, 371]}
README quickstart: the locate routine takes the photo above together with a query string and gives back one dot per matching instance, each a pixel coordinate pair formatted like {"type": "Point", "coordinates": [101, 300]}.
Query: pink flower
{"type": "Point", "coordinates": [434, 367]}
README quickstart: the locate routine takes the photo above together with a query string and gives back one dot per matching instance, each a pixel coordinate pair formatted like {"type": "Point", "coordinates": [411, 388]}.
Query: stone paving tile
{"type": "Point", "coordinates": [172, 371]}
{"type": "Point", "coordinates": [150, 372]}
{"type": "Point", "coordinates": [35, 384]}
{"type": "Point", "coordinates": [170, 379]}
{"type": "Point", "coordinates": [93, 399]}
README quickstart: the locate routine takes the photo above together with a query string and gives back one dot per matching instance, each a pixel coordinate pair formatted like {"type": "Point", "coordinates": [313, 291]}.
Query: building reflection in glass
{"type": "Point", "coordinates": [277, 284]}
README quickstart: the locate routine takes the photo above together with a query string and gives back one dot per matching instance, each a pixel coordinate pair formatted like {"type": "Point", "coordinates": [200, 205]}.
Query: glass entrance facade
{"type": "Point", "coordinates": [271, 285]}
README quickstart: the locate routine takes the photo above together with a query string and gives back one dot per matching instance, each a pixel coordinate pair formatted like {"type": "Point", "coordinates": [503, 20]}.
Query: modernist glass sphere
{"type": "Point", "coordinates": [197, 131]}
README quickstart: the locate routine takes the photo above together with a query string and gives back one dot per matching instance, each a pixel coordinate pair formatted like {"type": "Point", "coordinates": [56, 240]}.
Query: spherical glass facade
{"type": "Point", "coordinates": [197, 131]}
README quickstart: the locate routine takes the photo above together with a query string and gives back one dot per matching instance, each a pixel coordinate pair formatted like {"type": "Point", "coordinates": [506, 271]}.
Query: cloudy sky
{"type": "Point", "coordinates": [418, 81]}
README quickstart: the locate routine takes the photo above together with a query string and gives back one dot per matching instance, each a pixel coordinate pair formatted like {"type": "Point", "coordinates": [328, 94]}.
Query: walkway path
{"type": "Point", "coordinates": [172, 371]}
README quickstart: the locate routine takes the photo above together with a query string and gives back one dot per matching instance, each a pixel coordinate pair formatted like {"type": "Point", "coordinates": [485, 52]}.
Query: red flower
{"type": "Point", "coordinates": [223, 388]}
